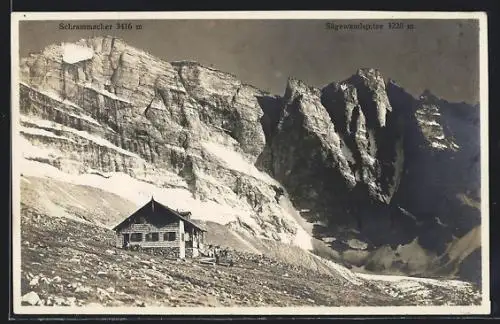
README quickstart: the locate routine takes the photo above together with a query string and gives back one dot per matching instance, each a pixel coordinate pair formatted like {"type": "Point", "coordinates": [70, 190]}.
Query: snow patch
{"type": "Point", "coordinates": [429, 122]}
{"type": "Point", "coordinates": [438, 145]}
{"type": "Point", "coordinates": [106, 93]}
{"type": "Point", "coordinates": [424, 289]}
{"type": "Point", "coordinates": [82, 116]}
{"type": "Point", "coordinates": [403, 280]}
{"type": "Point", "coordinates": [369, 159]}
{"type": "Point", "coordinates": [74, 53]}
{"type": "Point", "coordinates": [341, 270]}
{"type": "Point", "coordinates": [439, 222]}
{"type": "Point", "coordinates": [407, 213]}
{"type": "Point", "coordinates": [83, 134]}
{"type": "Point", "coordinates": [29, 151]}
{"type": "Point", "coordinates": [70, 103]}
{"type": "Point", "coordinates": [44, 133]}
{"type": "Point", "coordinates": [87, 85]}
{"type": "Point", "coordinates": [236, 162]}
{"type": "Point", "coordinates": [56, 97]}
{"type": "Point", "coordinates": [74, 201]}
{"type": "Point", "coordinates": [250, 246]}
{"type": "Point", "coordinates": [176, 148]}
{"type": "Point", "coordinates": [303, 239]}
{"type": "Point", "coordinates": [357, 244]}
{"type": "Point", "coordinates": [139, 192]}
{"type": "Point", "coordinates": [51, 95]}
{"type": "Point", "coordinates": [90, 120]}
{"type": "Point", "coordinates": [158, 104]}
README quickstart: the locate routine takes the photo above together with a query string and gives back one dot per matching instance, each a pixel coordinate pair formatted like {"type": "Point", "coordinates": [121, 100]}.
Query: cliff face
{"type": "Point", "coordinates": [340, 147]}
{"type": "Point", "coordinates": [362, 157]}
{"type": "Point", "coordinates": [180, 125]}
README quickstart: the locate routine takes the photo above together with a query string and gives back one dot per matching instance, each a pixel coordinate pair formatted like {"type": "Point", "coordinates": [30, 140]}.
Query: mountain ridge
{"type": "Point", "coordinates": [216, 134]}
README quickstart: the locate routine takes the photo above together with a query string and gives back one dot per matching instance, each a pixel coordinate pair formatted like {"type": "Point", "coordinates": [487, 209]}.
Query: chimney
{"type": "Point", "coordinates": [185, 214]}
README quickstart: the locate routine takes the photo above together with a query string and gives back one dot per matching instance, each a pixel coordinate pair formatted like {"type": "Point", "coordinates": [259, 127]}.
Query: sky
{"type": "Point", "coordinates": [439, 55]}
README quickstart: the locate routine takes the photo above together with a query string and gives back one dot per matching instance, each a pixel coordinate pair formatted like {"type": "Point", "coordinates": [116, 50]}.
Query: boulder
{"type": "Point", "coordinates": [30, 298]}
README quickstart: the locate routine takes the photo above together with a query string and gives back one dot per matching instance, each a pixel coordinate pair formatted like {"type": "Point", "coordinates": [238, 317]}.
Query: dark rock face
{"type": "Point", "coordinates": [371, 159]}
{"type": "Point", "coordinates": [362, 155]}
{"type": "Point", "coordinates": [442, 169]}
{"type": "Point", "coordinates": [308, 155]}
{"type": "Point", "coordinates": [469, 267]}
{"type": "Point", "coordinates": [333, 158]}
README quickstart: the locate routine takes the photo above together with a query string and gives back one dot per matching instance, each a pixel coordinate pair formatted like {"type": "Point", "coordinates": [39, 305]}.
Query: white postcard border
{"type": "Point", "coordinates": [484, 308]}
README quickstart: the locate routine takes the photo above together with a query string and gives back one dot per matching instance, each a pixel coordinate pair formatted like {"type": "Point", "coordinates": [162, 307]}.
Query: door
{"type": "Point", "coordinates": [126, 240]}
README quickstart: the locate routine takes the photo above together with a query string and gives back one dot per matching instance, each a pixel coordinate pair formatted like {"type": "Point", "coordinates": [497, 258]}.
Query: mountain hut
{"type": "Point", "coordinates": [157, 226]}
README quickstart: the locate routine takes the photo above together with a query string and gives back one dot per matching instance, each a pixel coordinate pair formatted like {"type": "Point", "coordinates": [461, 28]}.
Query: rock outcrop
{"type": "Point", "coordinates": [351, 122]}
{"type": "Point", "coordinates": [363, 157]}
{"type": "Point", "coordinates": [123, 110]}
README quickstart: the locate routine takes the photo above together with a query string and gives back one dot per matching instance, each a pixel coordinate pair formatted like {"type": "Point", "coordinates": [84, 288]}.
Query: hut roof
{"type": "Point", "coordinates": [152, 205]}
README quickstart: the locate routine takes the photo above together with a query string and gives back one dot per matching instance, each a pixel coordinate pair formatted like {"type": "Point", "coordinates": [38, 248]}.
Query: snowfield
{"type": "Point", "coordinates": [73, 53]}
{"type": "Point", "coordinates": [139, 192]}
{"type": "Point", "coordinates": [236, 162]}
{"type": "Point", "coordinates": [421, 289]}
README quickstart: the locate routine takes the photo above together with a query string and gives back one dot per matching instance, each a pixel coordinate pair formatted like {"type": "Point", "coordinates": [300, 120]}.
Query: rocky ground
{"type": "Point", "coordinates": [71, 263]}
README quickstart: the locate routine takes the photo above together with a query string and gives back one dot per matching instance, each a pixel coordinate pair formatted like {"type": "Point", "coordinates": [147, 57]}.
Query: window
{"type": "Point", "coordinates": [136, 237]}
{"type": "Point", "coordinates": [169, 236]}
{"type": "Point", "coordinates": [152, 237]}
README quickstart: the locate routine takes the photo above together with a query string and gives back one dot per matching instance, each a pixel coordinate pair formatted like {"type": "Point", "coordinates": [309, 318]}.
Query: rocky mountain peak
{"type": "Point", "coordinates": [370, 74]}
{"type": "Point", "coordinates": [372, 94]}
{"type": "Point", "coordinates": [296, 88]}
{"type": "Point", "coordinates": [352, 153]}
